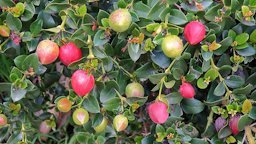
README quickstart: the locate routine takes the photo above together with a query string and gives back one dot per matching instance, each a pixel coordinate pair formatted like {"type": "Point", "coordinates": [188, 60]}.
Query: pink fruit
{"type": "Point", "coordinates": [187, 90]}
{"type": "Point", "coordinates": [69, 53]}
{"type": "Point", "coordinates": [3, 120]}
{"type": "Point", "coordinates": [82, 82]}
{"type": "Point", "coordinates": [158, 112]}
{"type": "Point", "coordinates": [47, 51]}
{"type": "Point", "coordinates": [233, 124]}
{"type": "Point", "coordinates": [194, 32]}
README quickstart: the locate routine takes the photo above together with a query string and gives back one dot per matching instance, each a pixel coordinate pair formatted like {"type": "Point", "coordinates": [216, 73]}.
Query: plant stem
{"type": "Point", "coordinates": [23, 132]}
{"type": "Point", "coordinates": [170, 66]}
{"type": "Point", "coordinates": [90, 44]}
{"type": "Point", "coordinates": [249, 135]}
{"type": "Point", "coordinates": [161, 86]}
{"type": "Point", "coordinates": [2, 44]}
{"type": "Point", "coordinates": [62, 26]}
{"type": "Point", "coordinates": [120, 67]}
{"type": "Point", "coordinates": [221, 78]}
{"type": "Point", "coordinates": [210, 119]}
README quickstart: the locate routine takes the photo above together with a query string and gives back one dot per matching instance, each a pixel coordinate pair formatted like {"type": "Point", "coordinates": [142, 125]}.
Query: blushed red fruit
{"type": "Point", "coordinates": [69, 53]}
{"type": "Point", "coordinates": [194, 32]}
{"type": "Point", "coordinates": [233, 124]}
{"type": "Point", "coordinates": [64, 105]}
{"type": "Point", "coordinates": [158, 112]}
{"type": "Point", "coordinates": [4, 31]}
{"type": "Point", "coordinates": [120, 122]}
{"type": "Point", "coordinates": [134, 90]}
{"type": "Point", "coordinates": [120, 20]}
{"type": "Point", "coordinates": [80, 116]}
{"type": "Point", "coordinates": [187, 90]}
{"type": "Point", "coordinates": [82, 82]}
{"type": "Point", "coordinates": [47, 51]}
{"type": "Point", "coordinates": [44, 128]}
{"type": "Point", "coordinates": [3, 120]}
{"type": "Point", "coordinates": [172, 46]}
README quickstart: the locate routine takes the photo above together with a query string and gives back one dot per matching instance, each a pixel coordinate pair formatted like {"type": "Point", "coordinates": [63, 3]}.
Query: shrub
{"type": "Point", "coordinates": [127, 71]}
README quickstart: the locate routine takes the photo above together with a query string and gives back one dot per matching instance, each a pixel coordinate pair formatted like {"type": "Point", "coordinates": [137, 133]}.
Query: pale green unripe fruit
{"type": "Point", "coordinates": [172, 46]}
{"type": "Point", "coordinates": [120, 20]}
{"type": "Point", "coordinates": [80, 116]}
{"type": "Point", "coordinates": [102, 126]}
{"type": "Point", "coordinates": [120, 122]}
{"type": "Point", "coordinates": [134, 90]}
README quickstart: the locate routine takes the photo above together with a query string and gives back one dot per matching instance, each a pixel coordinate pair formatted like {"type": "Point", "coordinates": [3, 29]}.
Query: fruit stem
{"type": "Point", "coordinates": [249, 135]}
{"type": "Point", "coordinates": [90, 43]}
{"type": "Point", "coordinates": [161, 87]}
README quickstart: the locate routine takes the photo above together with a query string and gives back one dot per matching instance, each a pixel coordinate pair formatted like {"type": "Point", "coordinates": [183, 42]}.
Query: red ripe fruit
{"type": "Point", "coordinates": [47, 51]}
{"type": "Point", "coordinates": [158, 112]}
{"type": "Point", "coordinates": [82, 83]}
{"type": "Point", "coordinates": [187, 90]}
{"type": "Point", "coordinates": [233, 124]}
{"type": "Point", "coordinates": [69, 53]}
{"type": "Point", "coordinates": [194, 32]}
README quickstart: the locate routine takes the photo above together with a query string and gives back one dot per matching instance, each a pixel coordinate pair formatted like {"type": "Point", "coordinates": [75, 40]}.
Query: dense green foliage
{"type": "Point", "coordinates": [215, 105]}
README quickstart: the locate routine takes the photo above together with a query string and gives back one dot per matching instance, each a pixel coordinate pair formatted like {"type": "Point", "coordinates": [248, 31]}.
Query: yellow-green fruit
{"type": "Point", "coordinates": [4, 31]}
{"type": "Point", "coordinates": [120, 122]}
{"type": "Point", "coordinates": [102, 126]}
{"type": "Point", "coordinates": [3, 120]}
{"type": "Point", "coordinates": [134, 90]}
{"type": "Point", "coordinates": [172, 46]}
{"type": "Point", "coordinates": [64, 105]}
{"type": "Point", "coordinates": [80, 116]}
{"type": "Point", "coordinates": [120, 20]}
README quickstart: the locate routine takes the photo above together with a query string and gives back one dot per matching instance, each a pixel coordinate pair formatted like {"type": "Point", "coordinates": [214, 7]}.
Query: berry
{"type": "Point", "coordinates": [233, 124]}
{"type": "Point", "coordinates": [134, 90]}
{"type": "Point", "coordinates": [158, 112]}
{"type": "Point", "coordinates": [47, 51]}
{"type": "Point", "coordinates": [187, 90]}
{"type": "Point", "coordinates": [120, 122]}
{"type": "Point", "coordinates": [120, 20]}
{"type": "Point", "coordinates": [44, 128]}
{"type": "Point", "coordinates": [80, 116]}
{"type": "Point", "coordinates": [82, 83]}
{"type": "Point", "coordinates": [194, 32]}
{"type": "Point", "coordinates": [3, 120]}
{"type": "Point", "coordinates": [102, 126]}
{"type": "Point", "coordinates": [219, 123]}
{"type": "Point", "coordinates": [69, 53]}
{"type": "Point", "coordinates": [4, 31]}
{"type": "Point", "coordinates": [172, 46]}
{"type": "Point", "coordinates": [64, 105]}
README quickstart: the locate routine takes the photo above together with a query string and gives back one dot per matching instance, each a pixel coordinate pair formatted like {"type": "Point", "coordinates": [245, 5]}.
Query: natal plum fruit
{"type": "Point", "coordinates": [47, 51]}
{"type": "Point", "coordinates": [120, 20]}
